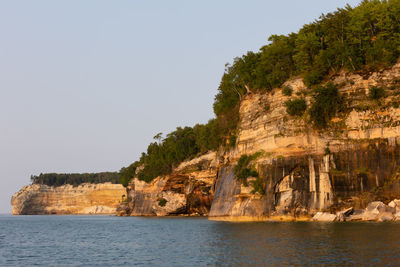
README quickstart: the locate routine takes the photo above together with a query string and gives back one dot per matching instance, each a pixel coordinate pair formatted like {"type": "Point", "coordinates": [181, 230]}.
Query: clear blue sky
{"type": "Point", "coordinates": [85, 85]}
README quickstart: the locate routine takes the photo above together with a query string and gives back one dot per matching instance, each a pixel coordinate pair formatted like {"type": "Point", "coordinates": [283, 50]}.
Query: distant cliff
{"type": "Point", "coordinates": [38, 199]}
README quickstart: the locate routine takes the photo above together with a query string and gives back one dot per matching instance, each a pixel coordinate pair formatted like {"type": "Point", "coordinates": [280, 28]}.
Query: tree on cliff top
{"type": "Point", "coordinates": [367, 36]}
{"type": "Point", "coordinates": [364, 37]}
{"type": "Point", "coordinates": [75, 179]}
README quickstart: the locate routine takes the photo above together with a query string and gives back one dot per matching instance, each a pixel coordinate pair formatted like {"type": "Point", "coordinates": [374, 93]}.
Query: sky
{"type": "Point", "coordinates": [85, 85]}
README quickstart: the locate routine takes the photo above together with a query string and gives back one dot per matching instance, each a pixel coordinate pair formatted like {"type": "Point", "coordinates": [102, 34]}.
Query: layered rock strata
{"type": "Point", "coordinates": [83, 199]}
{"type": "Point", "coordinates": [188, 191]}
{"type": "Point", "coordinates": [304, 170]}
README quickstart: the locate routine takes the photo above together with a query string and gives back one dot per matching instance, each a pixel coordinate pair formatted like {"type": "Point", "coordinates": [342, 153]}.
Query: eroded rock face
{"type": "Point", "coordinates": [231, 201]}
{"type": "Point", "coordinates": [305, 171]}
{"type": "Point", "coordinates": [275, 132]}
{"type": "Point", "coordinates": [188, 191]}
{"type": "Point", "coordinates": [83, 199]}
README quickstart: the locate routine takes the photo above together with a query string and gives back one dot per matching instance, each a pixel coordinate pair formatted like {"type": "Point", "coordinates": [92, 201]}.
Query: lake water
{"type": "Point", "coordinates": [130, 241]}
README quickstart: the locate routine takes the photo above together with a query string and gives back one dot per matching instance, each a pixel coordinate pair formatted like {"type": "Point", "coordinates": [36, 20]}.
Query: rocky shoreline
{"type": "Point", "coordinates": [375, 211]}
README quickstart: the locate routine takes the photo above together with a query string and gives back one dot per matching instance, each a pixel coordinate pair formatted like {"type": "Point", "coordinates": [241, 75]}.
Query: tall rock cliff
{"type": "Point", "coordinates": [303, 170]}
{"type": "Point", "coordinates": [83, 199]}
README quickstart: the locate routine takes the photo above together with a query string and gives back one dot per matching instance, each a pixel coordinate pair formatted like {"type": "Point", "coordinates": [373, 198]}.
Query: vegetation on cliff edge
{"type": "Point", "coordinates": [75, 179]}
{"type": "Point", "coordinates": [366, 37]}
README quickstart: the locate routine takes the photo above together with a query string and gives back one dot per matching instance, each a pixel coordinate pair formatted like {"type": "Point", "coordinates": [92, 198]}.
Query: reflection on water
{"type": "Point", "coordinates": [307, 243]}
{"type": "Point", "coordinates": [99, 240]}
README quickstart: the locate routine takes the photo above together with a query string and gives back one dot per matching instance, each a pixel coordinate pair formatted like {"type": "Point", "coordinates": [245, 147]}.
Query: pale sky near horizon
{"type": "Point", "coordinates": [85, 85]}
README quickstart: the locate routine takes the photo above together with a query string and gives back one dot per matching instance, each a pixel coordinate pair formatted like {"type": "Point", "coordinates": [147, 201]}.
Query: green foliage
{"type": "Point", "coordinates": [75, 179]}
{"type": "Point", "coordinates": [364, 37]}
{"type": "Point", "coordinates": [243, 170]}
{"type": "Point", "coordinates": [334, 171]}
{"type": "Point", "coordinates": [258, 186]}
{"type": "Point", "coordinates": [162, 202]}
{"type": "Point", "coordinates": [376, 93]}
{"type": "Point", "coordinates": [312, 77]}
{"type": "Point", "coordinates": [327, 150]}
{"type": "Point", "coordinates": [232, 140]}
{"type": "Point", "coordinates": [287, 91]}
{"type": "Point", "coordinates": [327, 103]}
{"type": "Point", "coordinates": [362, 170]}
{"type": "Point", "coordinates": [296, 107]}
{"type": "Point", "coordinates": [126, 174]}
{"type": "Point", "coordinates": [166, 153]}
{"type": "Point", "coordinates": [267, 107]}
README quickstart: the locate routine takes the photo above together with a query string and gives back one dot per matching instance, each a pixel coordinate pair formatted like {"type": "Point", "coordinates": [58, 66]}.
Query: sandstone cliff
{"type": "Point", "coordinates": [304, 170]}
{"type": "Point", "coordinates": [301, 170]}
{"type": "Point", "coordinates": [83, 199]}
{"type": "Point", "coordinates": [187, 191]}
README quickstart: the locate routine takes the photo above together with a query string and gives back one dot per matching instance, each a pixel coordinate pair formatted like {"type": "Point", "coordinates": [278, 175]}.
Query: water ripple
{"type": "Point", "coordinates": [114, 241]}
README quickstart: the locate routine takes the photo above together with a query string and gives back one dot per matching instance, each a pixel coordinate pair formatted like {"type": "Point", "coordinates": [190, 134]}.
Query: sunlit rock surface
{"type": "Point", "coordinates": [338, 171]}
{"type": "Point", "coordinates": [303, 170]}
{"type": "Point", "coordinates": [83, 199]}
{"type": "Point", "coordinates": [188, 191]}
{"type": "Point", "coordinates": [352, 163]}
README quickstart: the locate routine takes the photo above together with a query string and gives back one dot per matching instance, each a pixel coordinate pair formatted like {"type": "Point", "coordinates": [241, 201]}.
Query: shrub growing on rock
{"type": "Point", "coordinates": [376, 93]}
{"type": "Point", "coordinates": [258, 186]}
{"type": "Point", "coordinates": [162, 202]}
{"type": "Point", "coordinates": [287, 91]}
{"type": "Point", "coordinates": [243, 169]}
{"type": "Point", "coordinates": [296, 107]}
{"type": "Point", "coordinates": [312, 78]}
{"type": "Point", "coordinates": [327, 103]}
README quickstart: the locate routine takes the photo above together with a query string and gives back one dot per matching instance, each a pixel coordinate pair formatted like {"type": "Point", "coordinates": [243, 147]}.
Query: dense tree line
{"type": "Point", "coordinates": [365, 37]}
{"type": "Point", "coordinates": [58, 179]}
{"type": "Point", "coordinates": [166, 153]}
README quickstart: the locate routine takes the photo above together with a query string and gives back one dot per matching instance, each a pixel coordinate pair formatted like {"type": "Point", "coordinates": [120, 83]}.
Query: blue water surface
{"type": "Point", "coordinates": [133, 241]}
